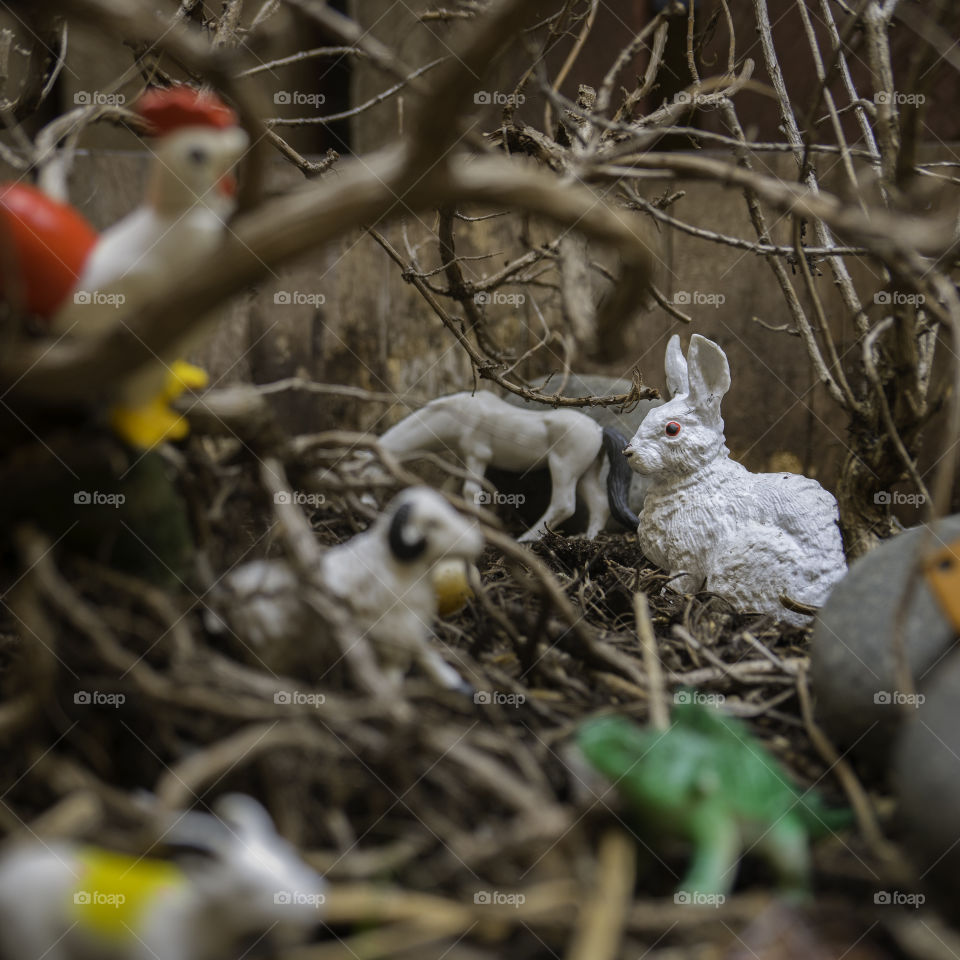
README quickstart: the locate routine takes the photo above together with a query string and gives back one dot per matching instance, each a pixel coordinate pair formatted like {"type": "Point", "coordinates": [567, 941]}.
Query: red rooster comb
{"type": "Point", "coordinates": [166, 109]}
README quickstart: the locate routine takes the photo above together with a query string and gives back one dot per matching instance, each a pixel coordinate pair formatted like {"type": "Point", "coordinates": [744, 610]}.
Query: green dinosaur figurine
{"type": "Point", "coordinates": [708, 780]}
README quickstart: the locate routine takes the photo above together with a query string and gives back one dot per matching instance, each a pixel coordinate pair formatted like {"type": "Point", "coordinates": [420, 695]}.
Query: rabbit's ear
{"type": "Point", "coordinates": [676, 368]}
{"type": "Point", "coordinates": [709, 373]}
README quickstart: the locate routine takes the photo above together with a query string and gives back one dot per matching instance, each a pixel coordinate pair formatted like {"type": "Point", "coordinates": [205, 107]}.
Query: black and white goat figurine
{"type": "Point", "coordinates": [385, 576]}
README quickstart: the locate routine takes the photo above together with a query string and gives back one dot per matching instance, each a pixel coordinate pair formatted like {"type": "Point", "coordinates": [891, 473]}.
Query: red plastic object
{"type": "Point", "coordinates": [43, 248]}
{"type": "Point", "coordinates": [170, 108]}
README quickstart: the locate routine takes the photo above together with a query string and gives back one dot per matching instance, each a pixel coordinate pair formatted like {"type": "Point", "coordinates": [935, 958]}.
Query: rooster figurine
{"type": "Point", "coordinates": [54, 267]}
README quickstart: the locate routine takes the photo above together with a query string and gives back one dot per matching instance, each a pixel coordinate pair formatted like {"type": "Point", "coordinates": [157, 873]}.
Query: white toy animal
{"type": "Point", "coordinates": [196, 143]}
{"type": "Point", "coordinates": [749, 537]}
{"type": "Point", "coordinates": [385, 577]}
{"type": "Point", "coordinates": [65, 901]}
{"type": "Point", "coordinates": [484, 430]}
{"type": "Point", "coordinates": [624, 421]}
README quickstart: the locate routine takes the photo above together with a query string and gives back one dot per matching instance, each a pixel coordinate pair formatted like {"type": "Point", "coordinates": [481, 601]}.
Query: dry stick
{"type": "Point", "coordinates": [876, 23]}
{"type": "Point", "coordinates": [457, 286]}
{"type": "Point", "coordinates": [870, 367]}
{"type": "Point", "coordinates": [334, 389]}
{"type": "Point", "coordinates": [824, 237]}
{"type": "Point", "coordinates": [824, 91]}
{"type": "Point", "coordinates": [691, 61]}
{"type": "Point", "coordinates": [889, 237]}
{"type": "Point", "coordinates": [302, 55]}
{"type": "Point", "coordinates": [349, 31]}
{"type": "Point", "coordinates": [181, 783]}
{"type": "Point", "coordinates": [766, 652]}
{"type": "Point", "coordinates": [865, 129]}
{"type": "Point", "coordinates": [623, 58]}
{"type": "Point", "coordinates": [836, 367]}
{"type": "Point", "coordinates": [737, 671]}
{"type": "Point", "coordinates": [603, 916]}
{"type": "Point", "coordinates": [435, 129]}
{"type": "Point", "coordinates": [862, 808]}
{"type": "Point", "coordinates": [732, 48]}
{"type": "Point", "coordinates": [759, 222]}
{"type": "Point", "coordinates": [570, 61]}
{"type": "Point", "coordinates": [756, 146]}
{"type": "Point", "coordinates": [309, 168]}
{"type": "Point", "coordinates": [759, 248]}
{"type": "Point", "coordinates": [650, 74]}
{"type": "Point", "coordinates": [659, 715]}
{"type": "Point", "coordinates": [946, 293]}
{"type": "Point", "coordinates": [374, 101]}
{"type": "Point", "coordinates": [485, 366]}
{"type": "Point", "coordinates": [729, 669]}
{"type": "Point", "coordinates": [495, 776]}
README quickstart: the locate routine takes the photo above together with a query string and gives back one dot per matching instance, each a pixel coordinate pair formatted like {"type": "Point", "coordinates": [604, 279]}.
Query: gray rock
{"type": "Point", "coordinates": [926, 778]}
{"type": "Point", "coordinates": [853, 665]}
{"type": "Point", "coordinates": [591, 385]}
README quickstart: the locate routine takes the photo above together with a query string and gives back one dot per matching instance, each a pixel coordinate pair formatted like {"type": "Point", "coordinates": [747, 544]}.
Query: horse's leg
{"type": "Point", "coordinates": [563, 496]}
{"type": "Point", "coordinates": [476, 458]}
{"type": "Point", "coordinates": [593, 490]}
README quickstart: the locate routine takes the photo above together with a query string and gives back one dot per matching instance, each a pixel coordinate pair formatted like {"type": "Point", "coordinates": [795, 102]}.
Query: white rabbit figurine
{"type": "Point", "coordinates": [749, 537]}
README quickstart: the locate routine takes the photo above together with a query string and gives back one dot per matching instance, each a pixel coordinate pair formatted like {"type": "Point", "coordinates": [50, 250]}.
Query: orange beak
{"type": "Point", "coordinates": [227, 185]}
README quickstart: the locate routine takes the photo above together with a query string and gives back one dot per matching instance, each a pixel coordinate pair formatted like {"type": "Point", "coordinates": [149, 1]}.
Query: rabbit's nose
{"type": "Point", "coordinates": [628, 452]}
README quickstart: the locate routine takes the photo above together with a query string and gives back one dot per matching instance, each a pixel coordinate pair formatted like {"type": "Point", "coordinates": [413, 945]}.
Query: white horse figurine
{"type": "Point", "coordinates": [483, 431]}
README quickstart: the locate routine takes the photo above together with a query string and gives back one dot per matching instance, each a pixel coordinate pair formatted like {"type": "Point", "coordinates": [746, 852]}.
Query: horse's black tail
{"type": "Point", "coordinates": [618, 479]}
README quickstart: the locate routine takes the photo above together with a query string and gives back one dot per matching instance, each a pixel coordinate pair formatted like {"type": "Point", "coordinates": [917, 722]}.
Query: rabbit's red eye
{"type": "Point", "coordinates": [672, 428]}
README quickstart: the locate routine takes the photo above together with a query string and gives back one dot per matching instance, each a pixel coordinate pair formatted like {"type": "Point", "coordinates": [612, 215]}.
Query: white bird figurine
{"type": "Point", "coordinates": [195, 142]}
